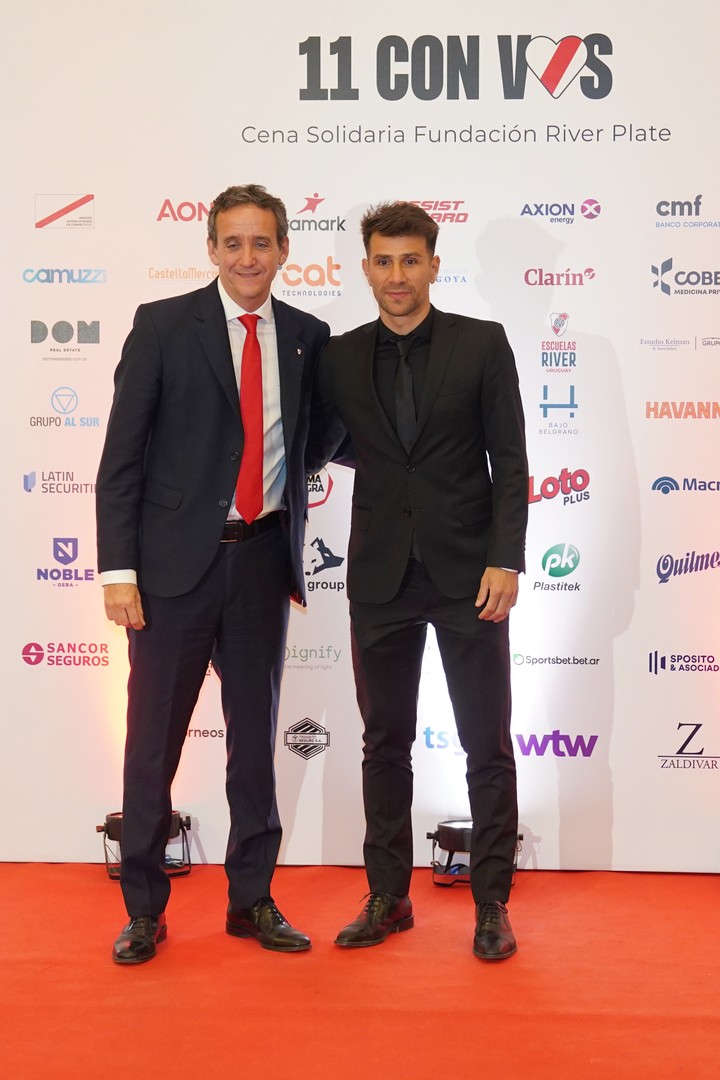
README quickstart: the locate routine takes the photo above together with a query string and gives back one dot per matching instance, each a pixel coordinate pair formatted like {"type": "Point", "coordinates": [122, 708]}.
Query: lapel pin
{"type": "Point", "coordinates": [299, 352]}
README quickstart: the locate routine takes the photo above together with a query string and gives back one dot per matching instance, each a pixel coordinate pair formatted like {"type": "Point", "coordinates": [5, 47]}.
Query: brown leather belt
{"type": "Point", "coordinates": [240, 530]}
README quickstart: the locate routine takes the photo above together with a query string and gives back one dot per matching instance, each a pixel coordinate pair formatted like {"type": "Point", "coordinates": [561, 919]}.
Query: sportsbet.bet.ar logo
{"type": "Point", "coordinates": [556, 64]}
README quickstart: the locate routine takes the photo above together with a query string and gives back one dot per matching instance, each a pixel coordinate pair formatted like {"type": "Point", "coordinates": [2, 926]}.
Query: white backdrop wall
{"type": "Point", "coordinates": [572, 159]}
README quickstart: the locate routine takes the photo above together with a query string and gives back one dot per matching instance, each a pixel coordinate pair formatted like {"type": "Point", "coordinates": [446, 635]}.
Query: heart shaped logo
{"type": "Point", "coordinates": [556, 63]}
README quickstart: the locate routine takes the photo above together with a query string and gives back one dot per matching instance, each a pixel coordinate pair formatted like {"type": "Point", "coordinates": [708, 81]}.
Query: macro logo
{"type": "Point", "coordinates": [665, 484]}
{"type": "Point", "coordinates": [560, 745]}
{"type": "Point", "coordinates": [571, 485]}
{"type": "Point", "coordinates": [443, 210]}
{"type": "Point", "coordinates": [561, 213]}
{"type": "Point", "coordinates": [311, 223]}
{"type": "Point", "coordinates": [65, 552]}
{"type": "Point", "coordinates": [183, 211]}
{"type": "Point", "coordinates": [560, 560]}
{"type": "Point", "coordinates": [319, 486]}
{"type": "Point", "coordinates": [64, 211]}
{"type": "Point", "coordinates": [83, 654]}
{"type": "Point", "coordinates": [556, 64]}
{"type": "Point", "coordinates": [685, 282]}
{"type": "Point", "coordinates": [307, 739]}
{"type": "Point", "coordinates": [536, 275]}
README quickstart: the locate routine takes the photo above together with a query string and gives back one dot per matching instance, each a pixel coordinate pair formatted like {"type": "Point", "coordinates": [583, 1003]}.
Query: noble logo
{"type": "Point", "coordinates": [665, 484]}
{"type": "Point", "coordinates": [65, 549]}
{"type": "Point", "coordinates": [65, 552]}
{"type": "Point", "coordinates": [559, 322]}
{"type": "Point", "coordinates": [555, 64]}
{"type": "Point", "coordinates": [307, 739]}
{"type": "Point", "coordinates": [560, 560]}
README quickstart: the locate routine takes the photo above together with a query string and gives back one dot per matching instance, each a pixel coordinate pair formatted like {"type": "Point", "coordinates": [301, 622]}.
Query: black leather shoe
{"type": "Point", "coordinates": [138, 939]}
{"type": "Point", "coordinates": [382, 915]}
{"type": "Point", "coordinates": [494, 939]}
{"type": "Point", "coordinates": [264, 922]}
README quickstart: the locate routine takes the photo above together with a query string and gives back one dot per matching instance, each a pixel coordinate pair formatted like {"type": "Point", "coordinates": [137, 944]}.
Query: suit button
{"type": "Point", "coordinates": [410, 468]}
{"type": "Point", "coordinates": [223, 503]}
{"type": "Point", "coordinates": [407, 512]}
{"type": "Point", "coordinates": [234, 456]}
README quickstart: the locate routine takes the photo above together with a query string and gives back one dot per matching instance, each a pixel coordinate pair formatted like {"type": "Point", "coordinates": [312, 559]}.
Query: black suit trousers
{"type": "Point", "coordinates": [237, 616]}
{"type": "Point", "coordinates": [388, 641]}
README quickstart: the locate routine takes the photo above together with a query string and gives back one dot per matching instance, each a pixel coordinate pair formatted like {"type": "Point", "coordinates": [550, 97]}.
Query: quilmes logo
{"type": "Point", "coordinates": [443, 210]}
{"type": "Point", "coordinates": [319, 487]}
{"type": "Point", "coordinates": [66, 654]}
{"type": "Point", "coordinates": [658, 663]}
{"type": "Point", "coordinates": [560, 745]}
{"type": "Point", "coordinates": [571, 485]}
{"type": "Point", "coordinates": [307, 739]}
{"type": "Point", "coordinates": [65, 552]}
{"type": "Point", "coordinates": [183, 211]}
{"type": "Point", "coordinates": [321, 561]}
{"type": "Point", "coordinates": [668, 566]}
{"type": "Point", "coordinates": [690, 754]}
{"type": "Point", "coordinates": [558, 213]}
{"type": "Point", "coordinates": [672, 282]}
{"type": "Point", "coordinates": [307, 220]}
{"type": "Point", "coordinates": [64, 211]}
{"type": "Point", "coordinates": [556, 64]}
{"type": "Point", "coordinates": [536, 275]}
{"type": "Point", "coordinates": [668, 484]}
{"type": "Point", "coordinates": [65, 276]}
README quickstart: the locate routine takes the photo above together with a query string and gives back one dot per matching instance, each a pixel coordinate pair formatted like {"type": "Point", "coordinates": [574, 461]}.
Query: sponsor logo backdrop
{"type": "Point", "coordinates": [578, 198]}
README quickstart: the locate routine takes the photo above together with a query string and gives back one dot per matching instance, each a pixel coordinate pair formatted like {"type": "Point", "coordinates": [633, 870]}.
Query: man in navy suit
{"type": "Point", "coordinates": [439, 511]}
{"type": "Point", "coordinates": [191, 572]}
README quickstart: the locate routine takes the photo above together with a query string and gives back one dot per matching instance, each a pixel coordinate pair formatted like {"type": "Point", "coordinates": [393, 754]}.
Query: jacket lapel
{"type": "Point", "coordinates": [442, 344]}
{"type": "Point", "coordinates": [291, 360]}
{"type": "Point", "coordinates": [213, 335]}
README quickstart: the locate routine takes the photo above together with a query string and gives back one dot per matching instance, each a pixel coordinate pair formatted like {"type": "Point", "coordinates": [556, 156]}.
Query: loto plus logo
{"type": "Point", "coordinates": [561, 745]}
{"type": "Point", "coordinates": [555, 64]}
{"type": "Point", "coordinates": [572, 485]}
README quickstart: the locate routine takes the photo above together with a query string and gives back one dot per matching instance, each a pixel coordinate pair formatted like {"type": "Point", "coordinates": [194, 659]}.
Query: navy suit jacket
{"type": "Point", "coordinates": [174, 440]}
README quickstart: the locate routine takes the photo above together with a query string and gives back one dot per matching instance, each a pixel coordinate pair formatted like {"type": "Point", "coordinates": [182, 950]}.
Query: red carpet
{"type": "Point", "coordinates": [616, 975]}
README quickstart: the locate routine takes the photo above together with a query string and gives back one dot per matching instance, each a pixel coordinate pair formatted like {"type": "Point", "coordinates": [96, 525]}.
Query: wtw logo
{"type": "Point", "coordinates": [561, 745]}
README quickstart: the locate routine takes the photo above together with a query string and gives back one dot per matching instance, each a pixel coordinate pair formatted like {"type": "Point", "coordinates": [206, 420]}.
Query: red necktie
{"type": "Point", "coordinates": [249, 491]}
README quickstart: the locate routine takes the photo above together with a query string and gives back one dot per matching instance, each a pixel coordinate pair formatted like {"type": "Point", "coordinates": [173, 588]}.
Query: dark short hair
{"type": "Point", "coordinates": [248, 194]}
{"type": "Point", "coordinates": [399, 219]}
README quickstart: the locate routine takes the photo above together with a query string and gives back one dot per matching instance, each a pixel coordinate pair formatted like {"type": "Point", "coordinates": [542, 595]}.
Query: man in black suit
{"type": "Point", "coordinates": [201, 505]}
{"type": "Point", "coordinates": [432, 406]}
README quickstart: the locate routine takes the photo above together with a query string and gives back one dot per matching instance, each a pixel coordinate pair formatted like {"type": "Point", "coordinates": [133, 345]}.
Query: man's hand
{"type": "Point", "coordinates": [498, 592]}
{"type": "Point", "coordinates": [123, 605]}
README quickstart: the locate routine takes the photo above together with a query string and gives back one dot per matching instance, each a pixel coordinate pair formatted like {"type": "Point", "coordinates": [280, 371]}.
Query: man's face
{"type": "Point", "coordinates": [247, 253]}
{"type": "Point", "coordinates": [400, 271]}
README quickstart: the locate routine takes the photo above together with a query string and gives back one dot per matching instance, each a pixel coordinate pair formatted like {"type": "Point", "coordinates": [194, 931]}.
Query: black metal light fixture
{"type": "Point", "coordinates": [112, 833]}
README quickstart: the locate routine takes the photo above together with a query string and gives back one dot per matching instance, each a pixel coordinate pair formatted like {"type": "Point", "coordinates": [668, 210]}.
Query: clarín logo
{"type": "Point", "coordinates": [307, 739]}
{"type": "Point", "coordinates": [536, 276]}
{"type": "Point", "coordinates": [691, 563]}
{"type": "Point", "coordinates": [684, 282]}
{"type": "Point", "coordinates": [668, 484]}
{"type": "Point", "coordinates": [555, 64]}
{"type": "Point", "coordinates": [658, 663]}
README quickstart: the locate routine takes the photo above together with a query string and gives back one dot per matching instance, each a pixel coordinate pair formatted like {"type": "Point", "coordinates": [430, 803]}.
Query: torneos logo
{"type": "Point", "coordinates": [560, 560]}
{"type": "Point", "coordinates": [33, 654]}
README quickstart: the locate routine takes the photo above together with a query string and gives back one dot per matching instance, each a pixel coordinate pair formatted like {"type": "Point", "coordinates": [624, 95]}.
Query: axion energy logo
{"type": "Point", "coordinates": [64, 211]}
{"type": "Point", "coordinates": [556, 64]}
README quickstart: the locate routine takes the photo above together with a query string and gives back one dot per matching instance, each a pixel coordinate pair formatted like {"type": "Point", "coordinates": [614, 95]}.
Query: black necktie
{"type": "Point", "coordinates": [405, 415]}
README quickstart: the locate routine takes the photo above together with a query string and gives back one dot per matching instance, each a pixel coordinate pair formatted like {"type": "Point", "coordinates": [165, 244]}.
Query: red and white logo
{"type": "Point", "coordinates": [559, 322]}
{"type": "Point", "coordinates": [64, 211]}
{"type": "Point", "coordinates": [556, 63]}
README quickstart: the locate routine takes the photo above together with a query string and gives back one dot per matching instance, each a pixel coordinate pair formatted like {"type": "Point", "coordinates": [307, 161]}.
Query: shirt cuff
{"type": "Point", "coordinates": [118, 577]}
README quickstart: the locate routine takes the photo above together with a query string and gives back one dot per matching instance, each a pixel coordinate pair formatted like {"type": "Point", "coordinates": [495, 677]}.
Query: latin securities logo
{"type": "Point", "coordinates": [307, 739]}
{"type": "Point", "coordinates": [84, 654]}
{"type": "Point", "coordinates": [681, 661]}
{"type": "Point", "coordinates": [57, 482]}
{"type": "Point", "coordinates": [573, 486]}
{"type": "Point", "coordinates": [666, 485]}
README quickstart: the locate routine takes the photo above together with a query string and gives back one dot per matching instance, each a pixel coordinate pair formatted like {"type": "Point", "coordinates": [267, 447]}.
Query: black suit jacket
{"type": "Point", "coordinates": [175, 439]}
{"type": "Point", "coordinates": [464, 485]}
